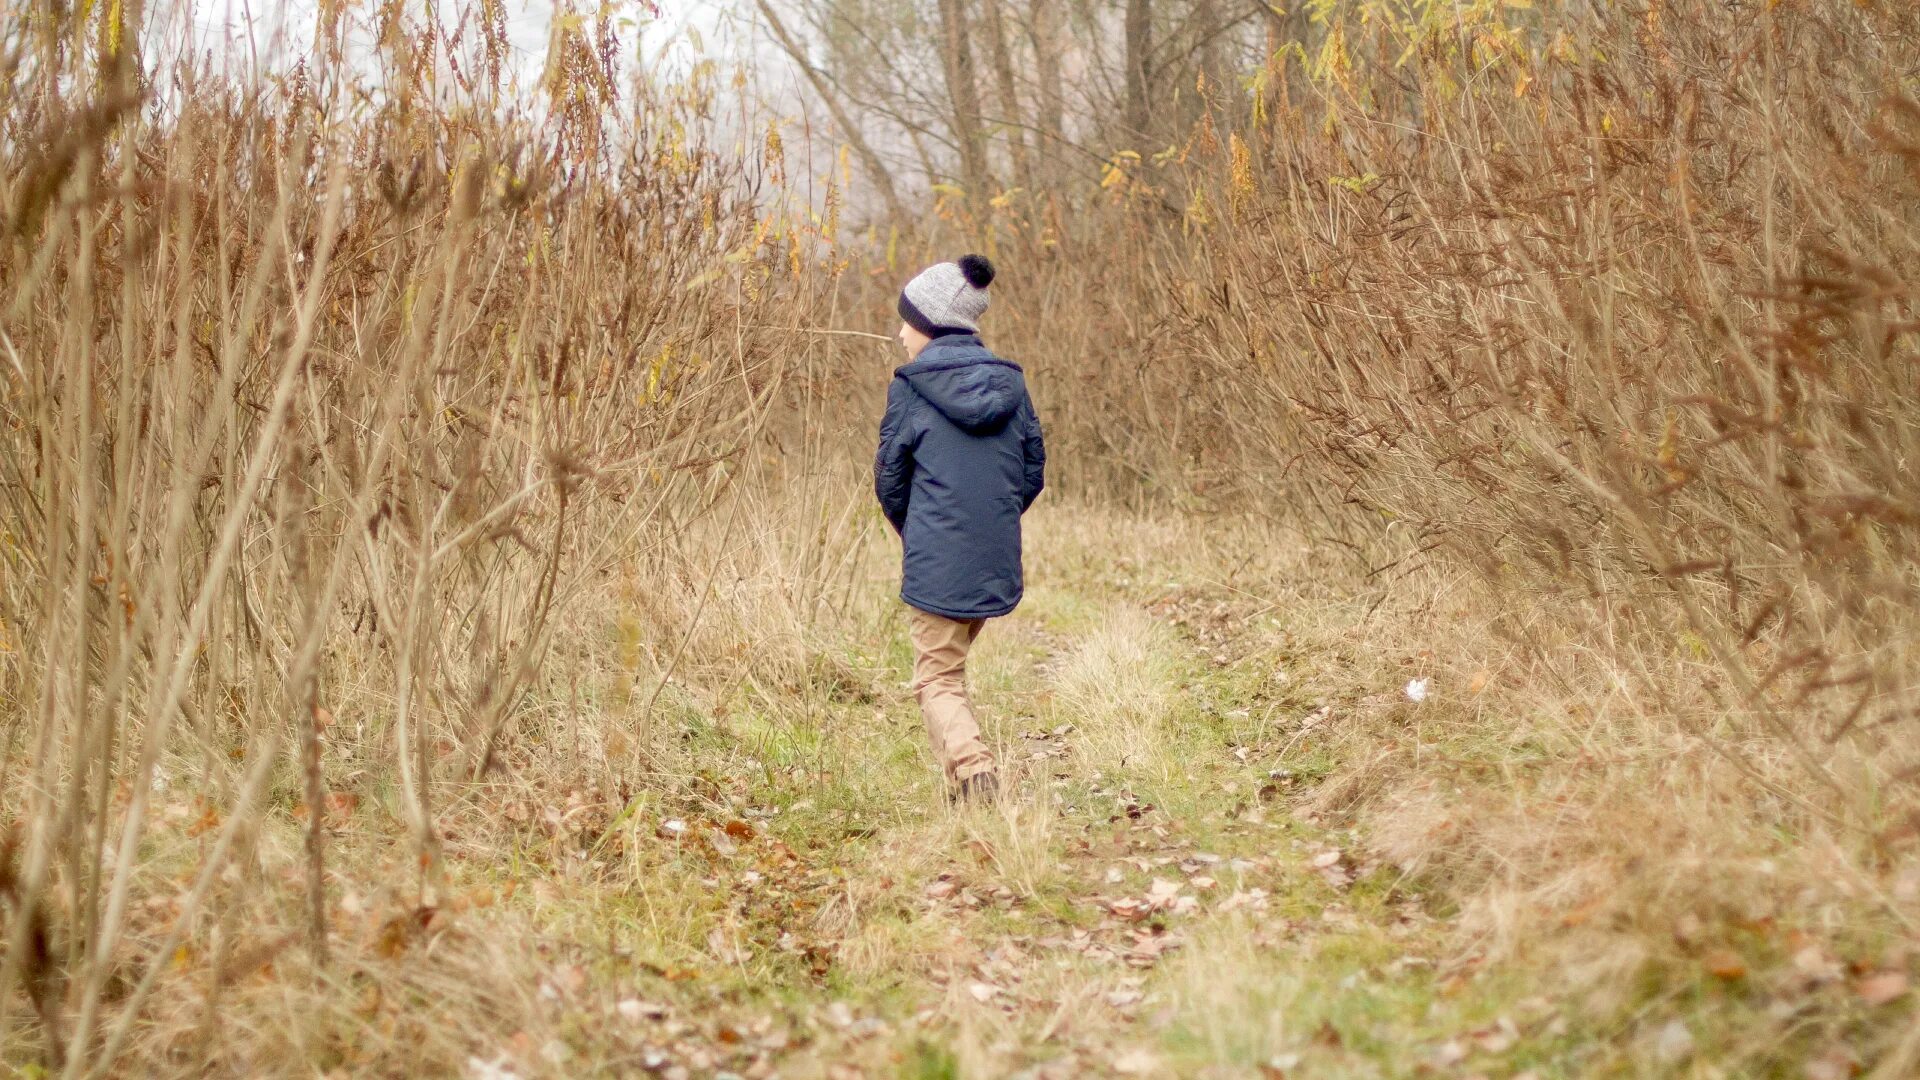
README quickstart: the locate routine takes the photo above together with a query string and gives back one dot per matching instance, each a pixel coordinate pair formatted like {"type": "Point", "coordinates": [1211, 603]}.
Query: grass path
{"type": "Point", "coordinates": [1155, 897]}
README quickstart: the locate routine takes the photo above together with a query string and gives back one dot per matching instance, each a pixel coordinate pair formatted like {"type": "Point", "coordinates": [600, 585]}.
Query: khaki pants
{"type": "Point", "coordinates": [940, 646]}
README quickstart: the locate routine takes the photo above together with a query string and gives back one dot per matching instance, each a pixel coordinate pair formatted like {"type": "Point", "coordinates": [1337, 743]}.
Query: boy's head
{"type": "Point", "coordinates": [945, 298]}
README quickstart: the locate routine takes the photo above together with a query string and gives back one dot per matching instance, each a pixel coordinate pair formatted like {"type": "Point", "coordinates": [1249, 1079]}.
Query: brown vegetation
{"type": "Point", "coordinates": [395, 487]}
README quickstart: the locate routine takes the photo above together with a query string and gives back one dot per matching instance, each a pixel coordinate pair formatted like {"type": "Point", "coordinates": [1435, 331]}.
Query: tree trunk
{"type": "Point", "coordinates": [1009, 97]}
{"type": "Point", "coordinates": [1139, 46]}
{"type": "Point", "coordinates": [965, 95]}
{"type": "Point", "coordinates": [876, 170]}
{"type": "Point", "coordinates": [1043, 26]}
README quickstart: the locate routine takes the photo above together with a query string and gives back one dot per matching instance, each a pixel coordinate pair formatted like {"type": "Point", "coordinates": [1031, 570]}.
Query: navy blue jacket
{"type": "Point", "coordinates": [960, 460]}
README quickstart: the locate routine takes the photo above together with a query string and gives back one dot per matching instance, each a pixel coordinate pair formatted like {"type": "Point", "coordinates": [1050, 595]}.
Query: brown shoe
{"type": "Point", "coordinates": [980, 789]}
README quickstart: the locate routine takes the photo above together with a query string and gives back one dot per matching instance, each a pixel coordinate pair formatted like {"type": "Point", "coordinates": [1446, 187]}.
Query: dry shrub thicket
{"type": "Point", "coordinates": [1590, 331]}
{"type": "Point", "coordinates": [326, 401]}
{"type": "Point", "coordinates": [333, 406]}
{"type": "Point", "coordinates": [1614, 307]}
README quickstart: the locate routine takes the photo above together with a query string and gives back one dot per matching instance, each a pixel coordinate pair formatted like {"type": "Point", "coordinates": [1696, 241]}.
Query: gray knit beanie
{"type": "Point", "coordinates": [948, 297]}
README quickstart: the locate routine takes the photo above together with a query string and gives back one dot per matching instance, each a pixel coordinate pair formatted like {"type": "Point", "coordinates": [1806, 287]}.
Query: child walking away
{"type": "Point", "coordinates": [960, 460]}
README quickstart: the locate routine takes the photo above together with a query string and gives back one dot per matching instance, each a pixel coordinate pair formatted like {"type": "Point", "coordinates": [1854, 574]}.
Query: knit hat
{"type": "Point", "coordinates": [948, 297]}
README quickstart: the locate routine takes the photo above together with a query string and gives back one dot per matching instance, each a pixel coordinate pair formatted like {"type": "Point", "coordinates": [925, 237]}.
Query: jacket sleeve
{"type": "Point", "coordinates": [893, 465]}
{"type": "Point", "coordinates": [1033, 451]}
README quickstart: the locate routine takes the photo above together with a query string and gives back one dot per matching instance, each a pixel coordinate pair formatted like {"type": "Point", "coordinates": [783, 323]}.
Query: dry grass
{"type": "Point", "coordinates": [438, 602]}
{"type": "Point", "coordinates": [318, 432]}
{"type": "Point", "coordinates": [1118, 685]}
{"type": "Point", "coordinates": [1590, 334]}
{"type": "Point", "coordinates": [1620, 366]}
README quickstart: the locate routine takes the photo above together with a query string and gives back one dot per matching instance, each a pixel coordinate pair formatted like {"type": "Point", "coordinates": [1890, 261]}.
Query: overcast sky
{"type": "Point", "coordinates": [665, 36]}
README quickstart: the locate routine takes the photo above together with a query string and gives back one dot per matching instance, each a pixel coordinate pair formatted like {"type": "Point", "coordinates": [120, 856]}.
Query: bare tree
{"type": "Point", "coordinates": [1009, 96]}
{"type": "Point", "coordinates": [1065, 83]}
{"type": "Point", "coordinates": [1043, 26]}
{"type": "Point", "coordinates": [1139, 62]}
{"type": "Point", "coordinates": [869, 160]}
{"type": "Point", "coordinates": [957, 39]}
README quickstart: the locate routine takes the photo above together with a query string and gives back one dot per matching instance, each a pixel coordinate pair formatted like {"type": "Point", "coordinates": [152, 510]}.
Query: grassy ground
{"type": "Point", "coordinates": [1148, 900]}
{"type": "Point", "coordinates": [1177, 885]}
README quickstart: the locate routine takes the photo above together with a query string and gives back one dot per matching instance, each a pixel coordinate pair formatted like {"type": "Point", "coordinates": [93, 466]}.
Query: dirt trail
{"type": "Point", "coordinates": [1153, 898]}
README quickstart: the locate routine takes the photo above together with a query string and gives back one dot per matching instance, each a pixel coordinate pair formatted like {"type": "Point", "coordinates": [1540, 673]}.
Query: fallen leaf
{"type": "Point", "coordinates": [1815, 964]}
{"type": "Point", "coordinates": [565, 980]}
{"type": "Point", "coordinates": [1674, 1043]}
{"type": "Point", "coordinates": [1276, 1067]}
{"type": "Point", "coordinates": [1837, 1063]}
{"type": "Point", "coordinates": [1148, 947]}
{"type": "Point", "coordinates": [208, 820]}
{"type": "Point", "coordinates": [1499, 1038]}
{"type": "Point", "coordinates": [1583, 911]}
{"type": "Point", "coordinates": [400, 930]}
{"type": "Point", "coordinates": [724, 949]}
{"type": "Point", "coordinates": [1725, 964]}
{"type": "Point", "coordinates": [1251, 899]}
{"type": "Point", "coordinates": [1136, 1062]}
{"type": "Point", "coordinates": [983, 992]}
{"type": "Point", "coordinates": [1479, 681]}
{"type": "Point", "coordinates": [1121, 999]}
{"type": "Point", "coordinates": [1327, 859]}
{"type": "Point", "coordinates": [257, 956]}
{"type": "Point", "coordinates": [499, 1068]}
{"type": "Point", "coordinates": [633, 1010]}
{"type": "Point", "coordinates": [1882, 987]}
{"type": "Point", "coordinates": [1687, 928]}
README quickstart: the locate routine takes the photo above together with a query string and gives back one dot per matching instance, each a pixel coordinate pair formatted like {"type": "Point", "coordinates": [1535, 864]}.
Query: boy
{"type": "Point", "coordinates": [960, 460]}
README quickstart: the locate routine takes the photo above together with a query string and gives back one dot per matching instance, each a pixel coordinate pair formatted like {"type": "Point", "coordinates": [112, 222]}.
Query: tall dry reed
{"type": "Point", "coordinates": [1612, 306]}
{"type": "Point", "coordinates": [325, 400]}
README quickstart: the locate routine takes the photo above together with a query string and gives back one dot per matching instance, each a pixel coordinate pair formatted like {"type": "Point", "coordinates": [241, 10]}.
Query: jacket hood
{"type": "Point", "coordinates": [970, 386]}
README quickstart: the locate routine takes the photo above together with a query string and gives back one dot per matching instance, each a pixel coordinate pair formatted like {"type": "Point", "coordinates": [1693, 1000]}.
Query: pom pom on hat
{"type": "Point", "coordinates": [978, 270]}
